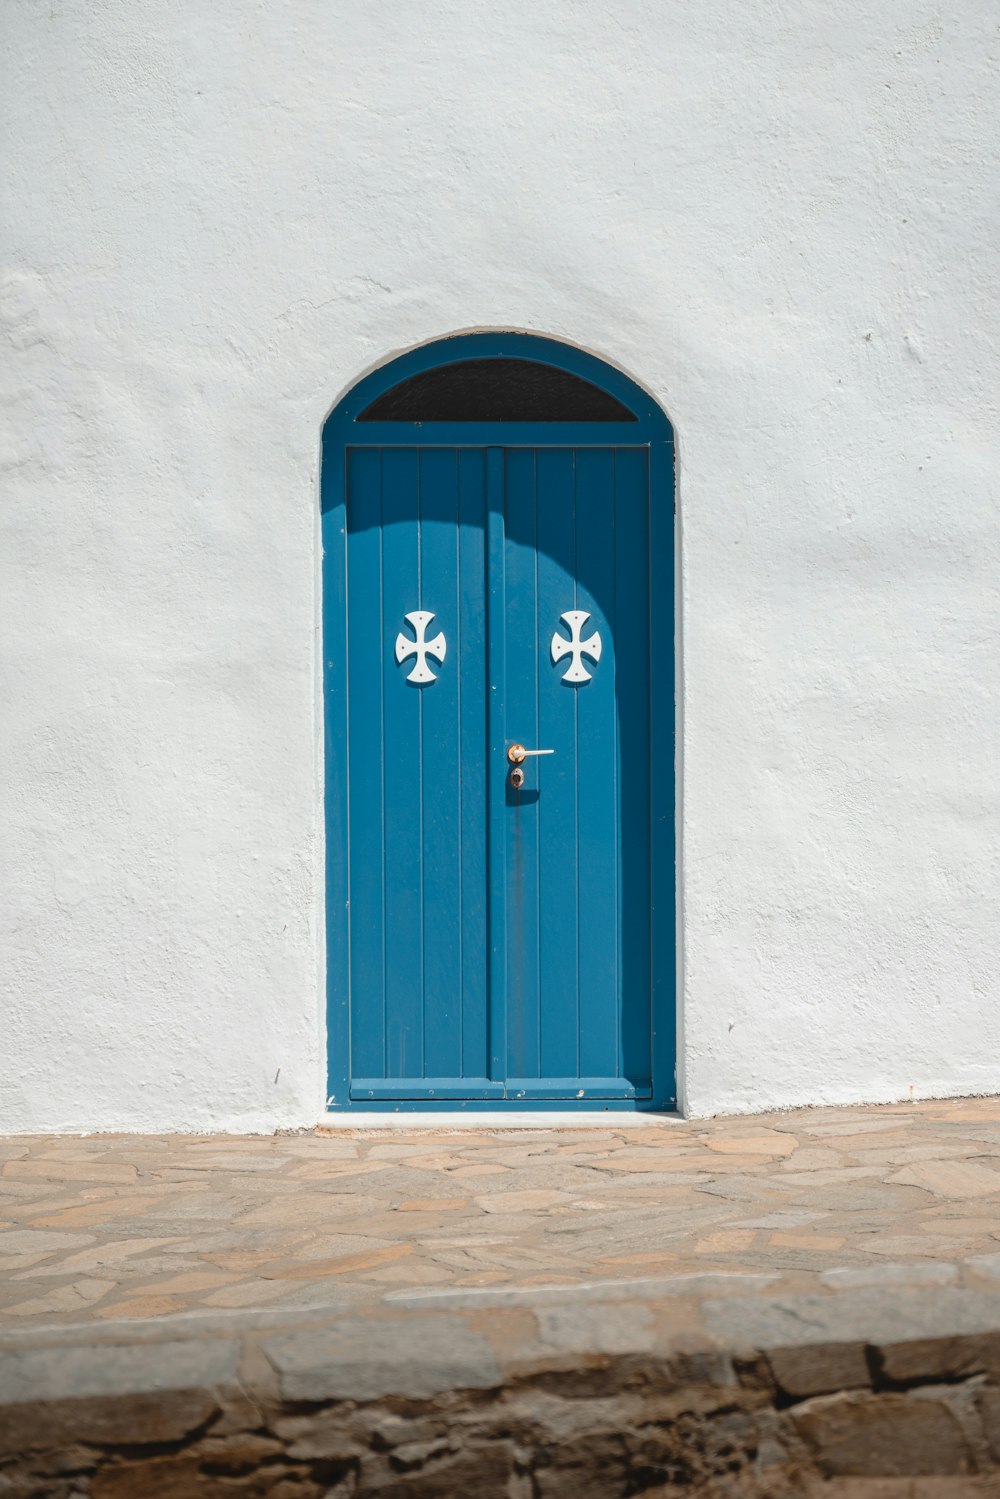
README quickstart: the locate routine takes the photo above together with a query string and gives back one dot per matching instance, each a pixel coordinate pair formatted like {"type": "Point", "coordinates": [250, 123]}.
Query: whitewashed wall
{"type": "Point", "coordinates": [780, 218]}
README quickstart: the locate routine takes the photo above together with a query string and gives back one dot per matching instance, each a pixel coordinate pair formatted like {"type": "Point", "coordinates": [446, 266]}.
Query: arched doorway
{"type": "Point", "coordinates": [498, 524]}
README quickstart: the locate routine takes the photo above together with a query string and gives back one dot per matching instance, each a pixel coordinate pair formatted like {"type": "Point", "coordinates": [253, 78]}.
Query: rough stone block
{"type": "Point", "coordinates": [881, 1435]}
{"type": "Point", "coordinates": [873, 1315]}
{"type": "Point", "coordinates": [183, 1477]}
{"type": "Point", "coordinates": [77, 1371]}
{"type": "Point", "coordinates": [138, 1393]}
{"type": "Point", "coordinates": [620, 1327]}
{"type": "Point", "coordinates": [233, 1457]}
{"type": "Point", "coordinates": [989, 1412]}
{"type": "Point", "coordinates": [324, 1435]}
{"type": "Point", "coordinates": [486, 1472]}
{"type": "Point", "coordinates": [365, 1360]}
{"type": "Point", "coordinates": [935, 1359]}
{"type": "Point", "coordinates": [692, 1450]}
{"type": "Point", "coordinates": [703, 1366]}
{"type": "Point", "coordinates": [124, 1418]}
{"type": "Point", "coordinates": [587, 1469]}
{"type": "Point", "coordinates": [952, 1487]}
{"type": "Point", "coordinates": [171, 1477]}
{"type": "Point", "coordinates": [819, 1368]}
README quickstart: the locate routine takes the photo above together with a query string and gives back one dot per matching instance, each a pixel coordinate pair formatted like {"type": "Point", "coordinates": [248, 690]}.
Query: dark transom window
{"type": "Point", "coordinates": [496, 390]}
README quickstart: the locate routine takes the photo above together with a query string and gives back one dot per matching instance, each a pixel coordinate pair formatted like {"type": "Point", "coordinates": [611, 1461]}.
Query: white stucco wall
{"type": "Point", "coordinates": [781, 219]}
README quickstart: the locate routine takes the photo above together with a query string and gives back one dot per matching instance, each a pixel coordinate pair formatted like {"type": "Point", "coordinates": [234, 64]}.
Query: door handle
{"type": "Point", "coordinates": [517, 753]}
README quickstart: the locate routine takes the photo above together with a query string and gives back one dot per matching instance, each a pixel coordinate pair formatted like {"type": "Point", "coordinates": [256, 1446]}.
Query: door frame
{"type": "Point", "coordinates": [652, 429]}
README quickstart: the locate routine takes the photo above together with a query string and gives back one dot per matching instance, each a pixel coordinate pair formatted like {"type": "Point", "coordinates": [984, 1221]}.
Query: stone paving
{"type": "Point", "coordinates": [124, 1227]}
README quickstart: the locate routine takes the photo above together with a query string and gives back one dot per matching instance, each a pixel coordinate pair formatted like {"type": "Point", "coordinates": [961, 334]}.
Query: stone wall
{"type": "Point", "coordinates": [871, 1394]}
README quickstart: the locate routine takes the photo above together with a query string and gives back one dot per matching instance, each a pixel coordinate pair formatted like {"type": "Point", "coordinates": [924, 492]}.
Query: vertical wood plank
{"type": "Point", "coordinates": [471, 670]}
{"type": "Point", "coordinates": [496, 765]}
{"type": "Point", "coordinates": [333, 483]}
{"type": "Point", "coordinates": [662, 720]}
{"type": "Point", "coordinates": [597, 778]}
{"type": "Point", "coordinates": [632, 659]}
{"type": "Point", "coordinates": [401, 749]}
{"type": "Point", "coordinates": [365, 685]}
{"type": "Point", "coordinates": [441, 903]}
{"type": "Point", "coordinates": [558, 956]}
{"type": "Point", "coordinates": [521, 715]}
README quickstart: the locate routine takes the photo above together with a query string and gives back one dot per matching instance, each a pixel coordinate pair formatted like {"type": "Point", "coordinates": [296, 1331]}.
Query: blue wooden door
{"type": "Point", "coordinates": [418, 774]}
{"type": "Point", "coordinates": [571, 884]}
{"type": "Point", "coordinates": [499, 932]}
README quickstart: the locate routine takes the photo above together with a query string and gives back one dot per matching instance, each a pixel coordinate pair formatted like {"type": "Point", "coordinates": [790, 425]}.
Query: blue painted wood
{"type": "Point", "coordinates": [496, 765]}
{"type": "Point", "coordinates": [575, 1087]}
{"type": "Point", "coordinates": [441, 770]}
{"type": "Point", "coordinates": [402, 771]}
{"type": "Point", "coordinates": [662, 720]}
{"type": "Point", "coordinates": [470, 656]}
{"type": "Point", "coordinates": [510, 1107]}
{"type": "Point", "coordinates": [335, 731]}
{"type": "Point", "coordinates": [598, 791]}
{"type": "Point", "coordinates": [417, 771]}
{"type": "Point", "coordinates": [559, 963]}
{"type": "Point", "coordinates": [520, 705]}
{"type": "Point", "coordinates": [632, 666]}
{"type": "Point", "coordinates": [366, 668]}
{"type": "Point", "coordinates": [391, 1089]}
{"type": "Point", "coordinates": [582, 1029]}
{"type": "Point", "coordinates": [505, 435]}
{"type": "Point", "coordinates": [570, 865]}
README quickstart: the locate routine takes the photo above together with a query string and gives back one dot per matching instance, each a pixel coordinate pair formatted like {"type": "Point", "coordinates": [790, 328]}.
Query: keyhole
{"type": "Point", "coordinates": [517, 778]}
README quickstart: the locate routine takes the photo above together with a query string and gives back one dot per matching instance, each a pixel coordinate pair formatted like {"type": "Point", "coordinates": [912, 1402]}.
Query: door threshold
{"type": "Point", "coordinates": [497, 1119]}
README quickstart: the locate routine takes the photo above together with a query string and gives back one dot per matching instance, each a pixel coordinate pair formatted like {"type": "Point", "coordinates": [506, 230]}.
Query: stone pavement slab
{"type": "Point", "coordinates": [97, 1229]}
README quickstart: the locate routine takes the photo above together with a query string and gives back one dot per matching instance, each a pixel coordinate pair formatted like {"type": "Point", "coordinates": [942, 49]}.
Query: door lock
{"type": "Point", "coordinates": [517, 778]}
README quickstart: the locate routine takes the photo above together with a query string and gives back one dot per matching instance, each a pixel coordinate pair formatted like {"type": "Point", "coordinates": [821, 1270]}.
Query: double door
{"type": "Point", "coordinates": [498, 747]}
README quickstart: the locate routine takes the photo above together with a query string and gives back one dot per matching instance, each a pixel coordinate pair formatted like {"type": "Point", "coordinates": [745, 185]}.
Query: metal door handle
{"type": "Point", "coordinates": [517, 753]}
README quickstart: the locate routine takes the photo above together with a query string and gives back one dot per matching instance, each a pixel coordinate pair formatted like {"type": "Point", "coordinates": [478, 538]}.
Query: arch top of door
{"type": "Point", "coordinates": [501, 388]}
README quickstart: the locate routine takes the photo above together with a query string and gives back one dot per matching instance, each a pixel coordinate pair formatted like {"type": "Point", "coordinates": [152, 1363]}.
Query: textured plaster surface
{"type": "Point", "coordinates": [780, 220]}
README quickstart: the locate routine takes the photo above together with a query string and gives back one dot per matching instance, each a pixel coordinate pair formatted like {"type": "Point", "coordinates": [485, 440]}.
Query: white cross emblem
{"type": "Point", "coordinates": [576, 619]}
{"type": "Point", "coordinates": [421, 647]}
